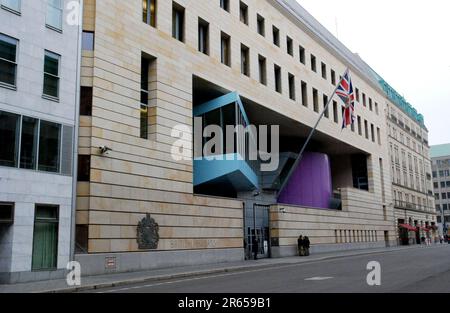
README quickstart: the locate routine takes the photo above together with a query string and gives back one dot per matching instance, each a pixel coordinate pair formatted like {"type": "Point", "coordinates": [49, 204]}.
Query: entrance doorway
{"type": "Point", "coordinates": [257, 226]}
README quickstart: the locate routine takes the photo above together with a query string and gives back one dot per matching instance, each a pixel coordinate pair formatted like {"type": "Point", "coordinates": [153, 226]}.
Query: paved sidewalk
{"type": "Point", "coordinates": [119, 279]}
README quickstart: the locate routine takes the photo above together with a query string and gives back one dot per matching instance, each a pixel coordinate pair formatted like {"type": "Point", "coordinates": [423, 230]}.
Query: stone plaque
{"type": "Point", "coordinates": [147, 234]}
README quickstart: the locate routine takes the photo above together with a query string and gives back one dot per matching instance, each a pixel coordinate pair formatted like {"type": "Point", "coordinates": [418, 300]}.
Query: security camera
{"type": "Point", "coordinates": [282, 210]}
{"type": "Point", "coordinates": [104, 149]}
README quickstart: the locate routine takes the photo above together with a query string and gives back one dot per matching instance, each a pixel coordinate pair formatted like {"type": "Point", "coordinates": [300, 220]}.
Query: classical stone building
{"type": "Point", "coordinates": [440, 156]}
{"type": "Point", "coordinates": [38, 95]}
{"type": "Point", "coordinates": [156, 74]}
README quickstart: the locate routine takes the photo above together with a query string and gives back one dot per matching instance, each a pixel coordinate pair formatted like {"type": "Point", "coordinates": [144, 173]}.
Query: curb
{"type": "Point", "coordinates": [233, 269]}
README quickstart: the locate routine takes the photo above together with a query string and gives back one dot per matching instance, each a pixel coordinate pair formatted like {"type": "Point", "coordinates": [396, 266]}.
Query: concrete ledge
{"type": "Point", "coordinates": [27, 277]}
{"type": "Point", "coordinates": [95, 264]}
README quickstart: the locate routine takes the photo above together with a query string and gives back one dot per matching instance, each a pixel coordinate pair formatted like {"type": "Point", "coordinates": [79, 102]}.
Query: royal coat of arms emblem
{"type": "Point", "coordinates": [147, 234]}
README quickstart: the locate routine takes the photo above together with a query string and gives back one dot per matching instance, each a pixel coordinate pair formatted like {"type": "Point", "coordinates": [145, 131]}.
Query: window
{"type": "Point", "coordinates": [86, 101]}
{"type": "Point", "coordinates": [313, 63]}
{"type": "Point", "coordinates": [84, 168]}
{"type": "Point", "coordinates": [225, 51]}
{"type": "Point", "coordinates": [379, 135]}
{"type": "Point", "coordinates": [178, 22]}
{"type": "Point", "coordinates": [45, 238]}
{"type": "Point", "coordinates": [444, 196]}
{"type": "Point", "coordinates": [51, 74]}
{"type": "Point", "coordinates": [372, 132]}
{"type": "Point", "coordinates": [442, 184]}
{"type": "Point", "coordinates": [6, 213]}
{"type": "Point", "coordinates": [304, 94]}
{"type": "Point", "coordinates": [276, 36]}
{"type": "Point", "coordinates": [145, 97]}
{"type": "Point", "coordinates": [277, 75]}
{"type": "Point", "coordinates": [8, 58]}
{"type": "Point", "coordinates": [357, 94]}
{"type": "Point", "coordinates": [245, 60]}
{"type": "Point", "coordinates": [149, 12]}
{"type": "Point", "coordinates": [203, 36]}
{"type": "Point", "coordinates": [366, 129]}
{"type": "Point", "coordinates": [243, 13]}
{"type": "Point", "coordinates": [49, 147]}
{"type": "Point", "coordinates": [316, 100]}
{"type": "Point", "coordinates": [13, 5]}
{"type": "Point", "coordinates": [364, 99]}
{"type": "Point", "coordinates": [225, 4]}
{"type": "Point", "coordinates": [262, 65]}
{"type": "Point", "coordinates": [261, 23]}
{"type": "Point", "coordinates": [29, 143]}
{"type": "Point", "coordinates": [335, 112]}
{"type": "Point", "coordinates": [291, 87]}
{"type": "Point", "coordinates": [290, 46]}
{"type": "Point", "coordinates": [87, 41]}
{"type": "Point", "coordinates": [370, 104]}
{"type": "Point", "coordinates": [54, 14]}
{"type": "Point", "coordinates": [325, 102]}
{"type": "Point", "coordinates": [302, 55]}
{"type": "Point", "coordinates": [9, 138]}
{"type": "Point", "coordinates": [324, 71]}
{"type": "Point", "coordinates": [333, 77]}
{"type": "Point", "coordinates": [359, 126]}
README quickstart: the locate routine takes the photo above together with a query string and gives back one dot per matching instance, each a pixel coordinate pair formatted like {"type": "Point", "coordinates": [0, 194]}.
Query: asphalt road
{"type": "Point", "coordinates": [425, 269]}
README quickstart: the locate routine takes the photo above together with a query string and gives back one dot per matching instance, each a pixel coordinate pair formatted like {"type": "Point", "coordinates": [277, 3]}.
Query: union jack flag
{"type": "Point", "coordinates": [346, 92]}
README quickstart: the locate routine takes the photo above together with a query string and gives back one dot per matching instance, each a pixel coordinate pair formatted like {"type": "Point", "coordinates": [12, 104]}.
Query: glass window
{"type": "Point", "coordinates": [45, 238]}
{"type": "Point", "coordinates": [54, 14]}
{"type": "Point", "coordinates": [9, 138]}
{"type": "Point", "coordinates": [29, 141]}
{"type": "Point", "coordinates": [84, 168]}
{"type": "Point", "coordinates": [51, 74]}
{"type": "Point", "coordinates": [8, 57]}
{"type": "Point", "coordinates": [225, 4]}
{"type": "Point", "coordinates": [178, 22]}
{"type": "Point", "coordinates": [11, 4]}
{"type": "Point", "coordinates": [49, 146]}
{"type": "Point", "coordinates": [225, 51]}
{"type": "Point", "coordinates": [149, 12]}
{"type": "Point", "coordinates": [6, 213]}
{"type": "Point", "coordinates": [86, 101]}
{"type": "Point", "coordinates": [203, 36]}
{"type": "Point", "coordinates": [87, 41]}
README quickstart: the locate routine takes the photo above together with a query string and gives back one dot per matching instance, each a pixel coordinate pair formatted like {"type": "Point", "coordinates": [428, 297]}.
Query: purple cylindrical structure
{"type": "Point", "coordinates": [310, 185]}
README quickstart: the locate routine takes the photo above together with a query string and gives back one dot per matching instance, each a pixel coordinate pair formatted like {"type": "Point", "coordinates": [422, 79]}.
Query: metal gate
{"type": "Point", "coordinates": [257, 226]}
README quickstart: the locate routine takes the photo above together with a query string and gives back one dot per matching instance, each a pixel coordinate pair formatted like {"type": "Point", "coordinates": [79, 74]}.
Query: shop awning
{"type": "Point", "coordinates": [408, 227]}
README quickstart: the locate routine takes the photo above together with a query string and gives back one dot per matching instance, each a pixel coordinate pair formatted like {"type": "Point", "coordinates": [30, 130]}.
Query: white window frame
{"type": "Point", "coordinates": [10, 40]}
{"type": "Point", "coordinates": [60, 9]}
{"type": "Point", "coordinates": [53, 54]}
{"type": "Point", "coordinates": [5, 6]}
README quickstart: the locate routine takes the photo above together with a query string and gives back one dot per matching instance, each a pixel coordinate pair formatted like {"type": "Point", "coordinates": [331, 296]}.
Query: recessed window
{"type": "Point", "coordinates": [148, 66]}
{"type": "Point", "coordinates": [277, 76]}
{"type": "Point", "coordinates": [364, 99]}
{"type": "Point", "coordinates": [276, 36]}
{"type": "Point", "coordinates": [290, 46]}
{"type": "Point", "coordinates": [6, 213]}
{"type": "Point", "coordinates": [49, 147]}
{"type": "Point", "coordinates": [86, 101]}
{"type": "Point", "coordinates": [357, 94]}
{"type": "Point", "coordinates": [203, 36]}
{"type": "Point", "coordinates": [243, 12]}
{"type": "Point", "coordinates": [225, 50]}
{"type": "Point", "coordinates": [149, 12]}
{"type": "Point", "coordinates": [84, 168]}
{"type": "Point", "coordinates": [370, 104]}
{"type": "Point", "coordinates": [9, 138]}
{"type": "Point", "coordinates": [87, 42]}
{"type": "Point", "coordinates": [379, 135]}
{"type": "Point", "coordinates": [245, 60]}
{"type": "Point", "coordinates": [372, 132]}
{"type": "Point", "coordinates": [45, 238]}
{"type": "Point", "coordinates": [262, 64]}
{"type": "Point", "coordinates": [324, 70]}
{"type": "Point", "coordinates": [51, 74]}
{"type": "Point", "coordinates": [291, 78]}
{"type": "Point", "coordinates": [316, 100]}
{"type": "Point", "coordinates": [54, 14]}
{"type": "Point", "coordinates": [325, 102]}
{"type": "Point", "coordinates": [29, 143]}
{"type": "Point", "coordinates": [366, 129]}
{"type": "Point", "coordinates": [359, 126]}
{"type": "Point", "coordinates": [335, 112]}
{"type": "Point", "coordinates": [13, 5]}
{"type": "Point", "coordinates": [304, 94]}
{"type": "Point", "coordinates": [225, 4]}
{"type": "Point", "coordinates": [261, 24]}
{"type": "Point", "coordinates": [302, 55]}
{"type": "Point", "coordinates": [178, 22]}
{"type": "Point", "coordinates": [333, 77]}
{"type": "Point", "coordinates": [8, 58]}
{"type": "Point", "coordinates": [313, 63]}
{"type": "Point", "coordinates": [377, 110]}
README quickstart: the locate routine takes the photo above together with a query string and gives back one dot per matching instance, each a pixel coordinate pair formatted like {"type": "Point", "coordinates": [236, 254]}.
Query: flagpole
{"type": "Point", "coordinates": [302, 151]}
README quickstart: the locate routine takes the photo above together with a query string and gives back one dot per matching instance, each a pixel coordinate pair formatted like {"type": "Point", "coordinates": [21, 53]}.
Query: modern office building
{"type": "Point", "coordinates": [440, 156]}
{"type": "Point", "coordinates": [38, 94]}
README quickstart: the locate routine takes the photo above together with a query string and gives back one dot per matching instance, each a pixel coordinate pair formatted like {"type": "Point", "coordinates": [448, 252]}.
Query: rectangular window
{"type": "Point", "coordinates": [87, 41]}
{"type": "Point", "coordinates": [225, 4]}
{"type": "Point", "coordinates": [225, 51]}
{"type": "Point", "coordinates": [9, 138]}
{"type": "Point", "coordinates": [324, 71]}
{"type": "Point", "coordinates": [8, 58]}
{"type": "Point", "coordinates": [13, 5]}
{"type": "Point", "coordinates": [276, 36]}
{"type": "Point", "coordinates": [243, 12]}
{"type": "Point", "coordinates": [316, 100]}
{"type": "Point", "coordinates": [372, 132]}
{"type": "Point", "coordinates": [178, 22]}
{"type": "Point", "coordinates": [149, 12]}
{"type": "Point", "coordinates": [366, 129]}
{"type": "Point", "coordinates": [51, 74]}
{"type": "Point", "coordinates": [277, 75]}
{"type": "Point", "coordinates": [54, 14]}
{"type": "Point", "coordinates": [359, 126]}
{"type": "Point", "coordinates": [379, 135]}
{"type": "Point", "coordinates": [333, 77]}
{"type": "Point", "coordinates": [325, 102]}
{"type": "Point", "coordinates": [290, 46]}
{"type": "Point", "coordinates": [262, 65]}
{"type": "Point", "coordinates": [364, 99]}
{"type": "Point", "coordinates": [145, 97]}
{"type": "Point", "coordinates": [261, 25]}
{"type": "Point", "coordinates": [86, 101]}
{"type": "Point", "coordinates": [302, 55]}
{"type": "Point", "coordinates": [313, 63]}
{"type": "Point", "coordinates": [45, 238]}
{"type": "Point", "coordinates": [377, 110]}
{"type": "Point", "coordinates": [29, 143]}
{"type": "Point", "coordinates": [203, 36]}
{"type": "Point", "coordinates": [245, 60]}
{"type": "Point", "coordinates": [49, 147]}
{"type": "Point", "coordinates": [304, 94]}
{"type": "Point", "coordinates": [292, 87]}
{"type": "Point", "coordinates": [84, 168]}
{"type": "Point", "coordinates": [335, 112]}
{"type": "Point", "coordinates": [6, 213]}
{"type": "Point", "coordinates": [357, 94]}
{"type": "Point", "coordinates": [370, 104]}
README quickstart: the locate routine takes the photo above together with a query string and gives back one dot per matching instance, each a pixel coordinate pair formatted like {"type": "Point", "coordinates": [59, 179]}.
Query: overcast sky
{"type": "Point", "coordinates": [406, 41]}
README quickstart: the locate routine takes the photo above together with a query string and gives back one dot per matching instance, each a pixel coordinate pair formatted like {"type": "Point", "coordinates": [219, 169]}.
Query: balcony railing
{"type": "Point", "coordinates": [412, 206]}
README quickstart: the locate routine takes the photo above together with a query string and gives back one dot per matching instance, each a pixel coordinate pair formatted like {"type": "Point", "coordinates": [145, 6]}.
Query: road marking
{"type": "Point", "coordinates": [319, 278]}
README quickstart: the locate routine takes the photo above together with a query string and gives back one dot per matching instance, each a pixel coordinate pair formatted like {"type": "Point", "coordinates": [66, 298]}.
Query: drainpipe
{"type": "Point", "coordinates": [75, 137]}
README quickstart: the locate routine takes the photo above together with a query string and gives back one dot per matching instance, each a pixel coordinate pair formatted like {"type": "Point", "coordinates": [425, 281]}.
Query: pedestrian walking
{"type": "Point", "coordinates": [307, 245]}
{"type": "Point", "coordinates": [255, 248]}
{"type": "Point", "coordinates": [301, 246]}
